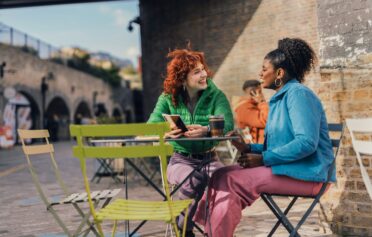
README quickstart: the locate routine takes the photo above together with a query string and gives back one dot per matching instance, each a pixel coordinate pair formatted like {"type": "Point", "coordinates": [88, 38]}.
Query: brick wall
{"type": "Point", "coordinates": [346, 91]}
{"type": "Point", "coordinates": [271, 21]}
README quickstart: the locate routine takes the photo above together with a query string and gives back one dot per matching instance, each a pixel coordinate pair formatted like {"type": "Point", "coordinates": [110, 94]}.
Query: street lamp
{"type": "Point", "coordinates": [136, 20]}
{"type": "Point", "coordinates": [44, 88]}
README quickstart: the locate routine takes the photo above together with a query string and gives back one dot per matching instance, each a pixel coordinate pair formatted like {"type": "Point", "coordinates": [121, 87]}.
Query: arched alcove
{"type": "Point", "coordinates": [57, 117]}
{"type": "Point", "coordinates": [82, 111]}
{"type": "Point", "coordinates": [117, 115]}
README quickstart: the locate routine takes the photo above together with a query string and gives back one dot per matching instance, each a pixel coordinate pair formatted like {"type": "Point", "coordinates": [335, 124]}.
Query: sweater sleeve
{"type": "Point", "coordinates": [161, 107]}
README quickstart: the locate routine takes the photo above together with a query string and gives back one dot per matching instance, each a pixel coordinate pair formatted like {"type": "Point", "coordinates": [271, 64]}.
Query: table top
{"type": "Point", "coordinates": [156, 139]}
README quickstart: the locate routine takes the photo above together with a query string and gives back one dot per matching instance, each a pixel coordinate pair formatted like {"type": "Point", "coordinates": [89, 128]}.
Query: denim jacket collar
{"type": "Point", "coordinates": [278, 95]}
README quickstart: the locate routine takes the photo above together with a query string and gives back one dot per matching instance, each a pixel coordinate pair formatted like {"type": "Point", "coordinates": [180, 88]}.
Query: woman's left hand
{"type": "Point", "coordinates": [196, 130]}
{"type": "Point", "coordinates": [250, 160]}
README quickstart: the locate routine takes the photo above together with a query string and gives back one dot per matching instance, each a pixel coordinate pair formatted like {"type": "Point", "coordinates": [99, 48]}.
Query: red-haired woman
{"type": "Point", "coordinates": [189, 92]}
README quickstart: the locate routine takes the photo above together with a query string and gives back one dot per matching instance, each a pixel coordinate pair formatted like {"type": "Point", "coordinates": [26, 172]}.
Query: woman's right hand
{"type": "Point", "coordinates": [258, 96]}
{"type": "Point", "coordinates": [239, 143]}
{"type": "Point", "coordinates": [174, 133]}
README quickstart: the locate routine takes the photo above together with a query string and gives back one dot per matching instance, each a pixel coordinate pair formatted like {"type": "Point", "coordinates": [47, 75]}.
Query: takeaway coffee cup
{"type": "Point", "coordinates": [216, 124]}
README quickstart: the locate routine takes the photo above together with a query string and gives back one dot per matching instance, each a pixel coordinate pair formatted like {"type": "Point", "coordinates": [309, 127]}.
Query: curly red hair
{"type": "Point", "coordinates": [181, 63]}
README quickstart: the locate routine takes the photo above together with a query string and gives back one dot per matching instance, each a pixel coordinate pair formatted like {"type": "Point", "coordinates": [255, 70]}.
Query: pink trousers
{"type": "Point", "coordinates": [233, 188]}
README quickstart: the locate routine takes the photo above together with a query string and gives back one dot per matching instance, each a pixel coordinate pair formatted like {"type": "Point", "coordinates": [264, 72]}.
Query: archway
{"type": "Point", "coordinates": [117, 115]}
{"type": "Point", "coordinates": [58, 119]}
{"type": "Point", "coordinates": [20, 112]}
{"type": "Point", "coordinates": [128, 116]}
{"type": "Point", "coordinates": [82, 111]}
{"type": "Point", "coordinates": [35, 111]}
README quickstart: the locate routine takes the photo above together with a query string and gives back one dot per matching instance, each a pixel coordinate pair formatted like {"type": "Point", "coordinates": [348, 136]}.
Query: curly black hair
{"type": "Point", "coordinates": [295, 56]}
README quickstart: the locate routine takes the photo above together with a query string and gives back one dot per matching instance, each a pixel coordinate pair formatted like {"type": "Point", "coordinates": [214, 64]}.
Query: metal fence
{"type": "Point", "coordinates": [11, 36]}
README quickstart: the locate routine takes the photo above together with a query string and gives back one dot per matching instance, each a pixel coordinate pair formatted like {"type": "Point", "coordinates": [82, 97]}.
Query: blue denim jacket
{"type": "Point", "coordinates": [297, 139]}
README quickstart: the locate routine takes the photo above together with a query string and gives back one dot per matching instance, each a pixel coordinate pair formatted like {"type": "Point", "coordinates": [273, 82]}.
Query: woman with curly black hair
{"type": "Point", "coordinates": [297, 151]}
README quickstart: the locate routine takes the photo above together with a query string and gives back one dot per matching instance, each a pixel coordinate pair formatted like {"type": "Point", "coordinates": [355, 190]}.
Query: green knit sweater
{"type": "Point", "coordinates": [211, 102]}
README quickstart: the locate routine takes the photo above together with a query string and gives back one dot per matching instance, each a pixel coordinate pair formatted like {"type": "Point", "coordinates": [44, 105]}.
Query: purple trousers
{"type": "Point", "coordinates": [179, 168]}
{"type": "Point", "coordinates": [233, 188]}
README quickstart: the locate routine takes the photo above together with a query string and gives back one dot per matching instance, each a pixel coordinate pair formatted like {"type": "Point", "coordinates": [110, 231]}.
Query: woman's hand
{"type": "Point", "coordinates": [196, 130]}
{"type": "Point", "coordinates": [174, 133]}
{"type": "Point", "coordinates": [239, 144]}
{"type": "Point", "coordinates": [250, 160]}
{"type": "Point", "coordinates": [257, 95]}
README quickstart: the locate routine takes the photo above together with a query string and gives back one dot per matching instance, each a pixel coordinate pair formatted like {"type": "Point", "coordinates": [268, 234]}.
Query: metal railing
{"type": "Point", "coordinates": [13, 37]}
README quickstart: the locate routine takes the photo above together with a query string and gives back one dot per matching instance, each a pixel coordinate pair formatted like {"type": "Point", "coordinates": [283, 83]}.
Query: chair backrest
{"type": "Point", "coordinates": [38, 149]}
{"type": "Point", "coordinates": [336, 128]}
{"type": "Point", "coordinates": [335, 132]}
{"type": "Point", "coordinates": [85, 150]}
{"type": "Point", "coordinates": [361, 135]}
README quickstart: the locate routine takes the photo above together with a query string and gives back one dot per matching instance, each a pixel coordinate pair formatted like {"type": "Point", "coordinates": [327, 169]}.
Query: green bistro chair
{"type": "Point", "coordinates": [69, 198]}
{"type": "Point", "coordinates": [125, 209]}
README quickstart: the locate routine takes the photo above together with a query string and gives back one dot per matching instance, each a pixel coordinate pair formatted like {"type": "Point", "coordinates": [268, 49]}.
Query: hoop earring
{"type": "Point", "coordinates": [278, 82]}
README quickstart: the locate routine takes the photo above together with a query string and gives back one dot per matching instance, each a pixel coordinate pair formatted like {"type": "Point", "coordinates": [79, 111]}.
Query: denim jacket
{"type": "Point", "coordinates": [297, 140]}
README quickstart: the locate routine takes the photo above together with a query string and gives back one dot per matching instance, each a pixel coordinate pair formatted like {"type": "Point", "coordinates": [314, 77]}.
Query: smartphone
{"type": "Point", "coordinates": [253, 93]}
{"type": "Point", "coordinates": [240, 133]}
{"type": "Point", "coordinates": [175, 120]}
{"type": "Point", "coordinates": [243, 136]}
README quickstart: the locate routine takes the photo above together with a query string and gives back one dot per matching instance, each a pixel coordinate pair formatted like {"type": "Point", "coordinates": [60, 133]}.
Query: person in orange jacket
{"type": "Point", "coordinates": [252, 110]}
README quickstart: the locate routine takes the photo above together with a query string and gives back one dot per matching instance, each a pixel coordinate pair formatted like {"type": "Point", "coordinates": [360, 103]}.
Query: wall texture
{"type": "Point", "coordinates": [346, 91]}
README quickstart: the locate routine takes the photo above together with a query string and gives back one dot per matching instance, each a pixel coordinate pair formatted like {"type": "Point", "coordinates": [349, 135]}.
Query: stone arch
{"type": "Point", "coordinates": [58, 94]}
{"type": "Point", "coordinates": [82, 110]}
{"type": "Point", "coordinates": [57, 116]}
{"type": "Point", "coordinates": [35, 110]}
{"type": "Point", "coordinates": [129, 115]}
{"type": "Point", "coordinates": [34, 96]}
{"type": "Point", "coordinates": [117, 114]}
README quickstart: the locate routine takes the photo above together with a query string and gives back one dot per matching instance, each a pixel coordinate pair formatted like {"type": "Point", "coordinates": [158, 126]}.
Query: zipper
{"type": "Point", "coordinates": [196, 106]}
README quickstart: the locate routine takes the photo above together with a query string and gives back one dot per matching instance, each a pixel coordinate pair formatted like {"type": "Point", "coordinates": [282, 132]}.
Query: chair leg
{"type": "Point", "coordinates": [109, 170]}
{"type": "Point", "coordinates": [175, 228]}
{"type": "Point", "coordinates": [85, 221]}
{"type": "Point", "coordinates": [285, 213]}
{"type": "Point", "coordinates": [278, 213]}
{"type": "Point", "coordinates": [185, 223]}
{"type": "Point", "coordinates": [114, 228]}
{"type": "Point", "coordinates": [59, 221]}
{"type": "Point", "coordinates": [304, 217]}
{"type": "Point", "coordinates": [98, 171]}
{"type": "Point", "coordinates": [169, 231]}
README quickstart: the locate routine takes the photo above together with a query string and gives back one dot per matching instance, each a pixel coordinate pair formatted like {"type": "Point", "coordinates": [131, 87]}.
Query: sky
{"type": "Point", "coordinates": [96, 27]}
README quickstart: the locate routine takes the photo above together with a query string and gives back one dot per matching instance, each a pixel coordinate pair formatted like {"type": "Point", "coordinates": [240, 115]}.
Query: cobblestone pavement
{"type": "Point", "coordinates": [23, 215]}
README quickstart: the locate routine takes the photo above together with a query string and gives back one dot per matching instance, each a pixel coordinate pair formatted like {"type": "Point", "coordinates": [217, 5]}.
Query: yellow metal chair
{"type": "Point", "coordinates": [69, 198]}
{"type": "Point", "coordinates": [124, 209]}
